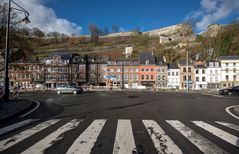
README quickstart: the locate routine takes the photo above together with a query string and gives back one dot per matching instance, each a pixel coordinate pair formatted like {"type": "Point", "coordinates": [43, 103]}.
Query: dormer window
{"type": "Point", "coordinates": [147, 62]}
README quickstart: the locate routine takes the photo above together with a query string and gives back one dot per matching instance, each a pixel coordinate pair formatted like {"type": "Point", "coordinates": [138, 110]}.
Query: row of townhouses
{"type": "Point", "coordinates": [148, 71]}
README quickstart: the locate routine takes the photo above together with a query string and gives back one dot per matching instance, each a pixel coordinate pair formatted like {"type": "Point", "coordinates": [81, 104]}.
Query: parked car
{"type": "Point", "coordinates": [230, 91]}
{"type": "Point", "coordinates": [69, 89]}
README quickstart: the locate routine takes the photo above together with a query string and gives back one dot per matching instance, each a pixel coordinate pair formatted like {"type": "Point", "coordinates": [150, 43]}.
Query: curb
{"type": "Point", "coordinates": [230, 112]}
{"type": "Point", "coordinates": [18, 112]}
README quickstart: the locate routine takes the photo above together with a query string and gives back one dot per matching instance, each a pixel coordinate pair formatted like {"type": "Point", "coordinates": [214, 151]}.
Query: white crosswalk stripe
{"type": "Point", "coordinates": [199, 141]}
{"type": "Point", "coordinates": [218, 132]}
{"type": "Point", "coordinates": [84, 143]}
{"type": "Point", "coordinates": [162, 142]}
{"type": "Point", "coordinates": [5, 144]}
{"type": "Point", "coordinates": [40, 146]}
{"type": "Point", "coordinates": [15, 126]}
{"type": "Point", "coordinates": [232, 126]}
{"type": "Point", "coordinates": [124, 142]}
{"type": "Point", "coordinates": [124, 139]}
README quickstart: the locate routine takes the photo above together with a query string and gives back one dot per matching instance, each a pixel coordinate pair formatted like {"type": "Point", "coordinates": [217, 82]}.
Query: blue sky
{"type": "Point", "coordinates": [127, 14]}
{"type": "Point", "coordinates": [74, 16]}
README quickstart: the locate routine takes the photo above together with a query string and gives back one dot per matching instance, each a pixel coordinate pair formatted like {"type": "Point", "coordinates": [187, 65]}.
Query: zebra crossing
{"type": "Point", "coordinates": [124, 139]}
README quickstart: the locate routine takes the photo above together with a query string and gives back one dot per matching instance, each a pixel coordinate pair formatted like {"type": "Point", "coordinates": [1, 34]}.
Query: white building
{"type": "Point", "coordinates": [213, 77]}
{"type": "Point", "coordinates": [200, 77]}
{"type": "Point", "coordinates": [173, 77]}
{"type": "Point", "coordinates": [229, 71]}
{"type": "Point", "coordinates": [128, 51]}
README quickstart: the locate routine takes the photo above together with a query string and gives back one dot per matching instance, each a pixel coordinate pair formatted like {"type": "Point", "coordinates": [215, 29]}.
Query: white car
{"type": "Point", "coordinates": [68, 89]}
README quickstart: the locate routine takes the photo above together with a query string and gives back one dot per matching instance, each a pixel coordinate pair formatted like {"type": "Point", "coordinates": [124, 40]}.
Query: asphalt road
{"type": "Point", "coordinates": [126, 122]}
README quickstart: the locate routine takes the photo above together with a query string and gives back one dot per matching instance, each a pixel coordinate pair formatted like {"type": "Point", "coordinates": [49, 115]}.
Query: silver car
{"type": "Point", "coordinates": [68, 89]}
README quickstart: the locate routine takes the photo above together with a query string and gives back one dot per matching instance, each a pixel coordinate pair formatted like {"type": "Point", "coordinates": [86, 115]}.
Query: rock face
{"type": "Point", "coordinates": [171, 33]}
{"type": "Point", "coordinates": [180, 29]}
{"type": "Point", "coordinates": [213, 30]}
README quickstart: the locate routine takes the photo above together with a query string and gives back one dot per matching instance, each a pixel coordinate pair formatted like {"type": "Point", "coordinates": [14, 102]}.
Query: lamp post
{"type": "Point", "coordinates": [26, 20]}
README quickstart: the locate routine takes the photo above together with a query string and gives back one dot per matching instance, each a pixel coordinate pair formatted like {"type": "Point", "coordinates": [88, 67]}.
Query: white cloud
{"type": "Point", "coordinates": [212, 11]}
{"type": "Point", "coordinates": [46, 19]}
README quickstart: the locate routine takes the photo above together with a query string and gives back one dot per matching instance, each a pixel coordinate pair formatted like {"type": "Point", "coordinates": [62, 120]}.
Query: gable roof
{"type": "Point", "coordinates": [229, 58]}
{"type": "Point", "coordinates": [143, 57]}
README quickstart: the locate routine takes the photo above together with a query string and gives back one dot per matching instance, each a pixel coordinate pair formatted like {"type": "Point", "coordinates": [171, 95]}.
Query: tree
{"type": "Point", "coordinates": [55, 35]}
{"type": "Point", "coordinates": [106, 31]}
{"type": "Point", "coordinates": [95, 32]}
{"type": "Point", "coordinates": [115, 28]}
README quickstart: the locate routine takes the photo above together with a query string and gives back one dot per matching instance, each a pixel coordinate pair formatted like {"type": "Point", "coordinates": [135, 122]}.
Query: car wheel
{"type": "Point", "coordinates": [58, 92]}
{"type": "Point", "coordinates": [229, 93]}
{"type": "Point", "coordinates": [74, 92]}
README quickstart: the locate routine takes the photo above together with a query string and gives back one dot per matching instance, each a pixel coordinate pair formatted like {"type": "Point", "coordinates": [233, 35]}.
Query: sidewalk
{"type": "Point", "coordinates": [13, 107]}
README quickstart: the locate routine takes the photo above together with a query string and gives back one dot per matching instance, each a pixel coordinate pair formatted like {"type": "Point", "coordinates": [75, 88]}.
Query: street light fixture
{"type": "Point", "coordinates": [26, 20]}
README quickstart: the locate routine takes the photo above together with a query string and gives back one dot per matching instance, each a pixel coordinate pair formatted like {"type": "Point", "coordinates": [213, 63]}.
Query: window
{"type": "Point", "coordinates": [126, 70]}
{"type": "Point", "coordinates": [152, 77]}
{"type": "Point", "coordinates": [227, 77]}
{"type": "Point", "coordinates": [189, 77]}
{"type": "Point", "coordinates": [142, 77]}
{"type": "Point", "coordinates": [158, 69]}
{"type": "Point", "coordinates": [234, 70]}
{"type": "Point", "coordinates": [184, 77]}
{"type": "Point", "coordinates": [234, 77]}
{"type": "Point", "coordinates": [211, 71]}
{"type": "Point", "coordinates": [136, 77]}
{"type": "Point", "coordinates": [147, 69]}
{"type": "Point", "coordinates": [152, 69]}
{"type": "Point", "coordinates": [164, 77]}
{"type": "Point", "coordinates": [147, 77]}
{"type": "Point", "coordinates": [203, 78]}
{"type": "Point", "coordinates": [227, 70]}
{"type": "Point", "coordinates": [142, 69]}
{"type": "Point", "coordinates": [203, 71]}
{"type": "Point", "coordinates": [136, 70]}
{"type": "Point", "coordinates": [131, 69]}
{"type": "Point", "coordinates": [126, 77]}
{"type": "Point", "coordinates": [172, 73]}
{"type": "Point", "coordinates": [159, 77]}
{"type": "Point", "coordinates": [234, 64]}
{"type": "Point", "coordinates": [226, 64]}
{"type": "Point", "coordinates": [176, 73]}
{"type": "Point", "coordinates": [210, 79]}
{"type": "Point", "coordinates": [184, 69]}
{"type": "Point", "coordinates": [197, 78]}
{"type": "Point", "coordinates": [147, 62]}
{"type": "Point", "coordinates": [168, 73]}
{"type": "Point", "coordinates": [189, 69]}
{"type": "Point", "coordinates": [118, 70]}
{"type": "Point", "coordinates": [216, 71]}
{"type": "Point", "coordinates": [216, 79]}
{"type": "Point", "coordinates": [197, 71]}
{"type": "Point", "coordinates": [131, 77]}
{"type": "Point", "coordinates": [163, 70]}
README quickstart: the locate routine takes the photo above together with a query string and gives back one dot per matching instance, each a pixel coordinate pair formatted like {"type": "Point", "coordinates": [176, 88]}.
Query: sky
{"type": "Point", "coordinates": [74, 16]}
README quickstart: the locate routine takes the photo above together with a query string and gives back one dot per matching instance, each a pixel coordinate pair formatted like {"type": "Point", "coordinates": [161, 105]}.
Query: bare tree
{"type": "Point", "coordinates": [106, 31]}
{"type": "Point", "coordinates": [95, 32]}
{"type": "Point", "coordinates": [115, 28]}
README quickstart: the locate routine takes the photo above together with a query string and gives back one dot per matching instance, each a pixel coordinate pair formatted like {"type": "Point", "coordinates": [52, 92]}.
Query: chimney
{"type": "Point", "coordinates": [152, 53]}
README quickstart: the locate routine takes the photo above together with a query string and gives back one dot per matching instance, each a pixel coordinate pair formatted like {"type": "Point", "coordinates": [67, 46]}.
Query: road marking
{"type": "Point", "coordinates": [57, 135]}
{"type": "Point", "coordinates": [202, 143]}
{"type": "Point", "coordinates": [218, 132]}
{"type": "Point", "coordinates": [229, 125]}
{"type": "Point", "coordinates": [5, 144]}
{"type": "Point", "coordinates": [124, 139]}
{"type": "Point", "coordinates": [85, 142]}
{"type": "Point", "coordinates": [213, 95]}
{"type": "Point", "coordinates": [229, 112]}
{"type": "Point", "coordinates": [162, 142]}
{"type": "Point", "coordinates": [16, 126]}
{"type": "Point", "coordinates": [38, 104]}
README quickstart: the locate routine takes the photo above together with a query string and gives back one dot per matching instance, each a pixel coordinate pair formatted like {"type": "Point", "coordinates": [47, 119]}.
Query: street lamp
{"type": "Point", "coordinates": [26, 20]}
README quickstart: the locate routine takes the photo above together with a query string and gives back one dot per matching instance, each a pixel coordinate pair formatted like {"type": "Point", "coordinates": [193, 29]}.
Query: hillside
{"type": "Point", "coordinates": [171, 42]}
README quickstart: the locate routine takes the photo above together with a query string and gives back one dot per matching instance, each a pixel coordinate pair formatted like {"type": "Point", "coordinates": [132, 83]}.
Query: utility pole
{"type": "Point", "coordinates": [187, 69]}
{"type": "Point", "coordinates": [6, 78]}
{"type": "Point", "coordinates": [122, 75]}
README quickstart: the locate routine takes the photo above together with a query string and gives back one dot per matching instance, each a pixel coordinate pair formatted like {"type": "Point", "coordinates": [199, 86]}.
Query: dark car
{"type": "Point", "coordinates": [230, 91]}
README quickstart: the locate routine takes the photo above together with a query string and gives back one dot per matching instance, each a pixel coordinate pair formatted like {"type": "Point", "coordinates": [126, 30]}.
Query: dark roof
{"type": "Point", "coordinates": [184, 62]}
{"type": "Point", "coordinates": [200, 66]}
{"type": "Point", "coordinates": [63, 55]}
{"type": "Point", "coordinates": [173, 66]}
{"type": "Point", "coordinates": [229, 57]}
{"type": "Point", "coordinates": [147, 56]}
{"type": "Point", "coordinates": [160, 61]}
